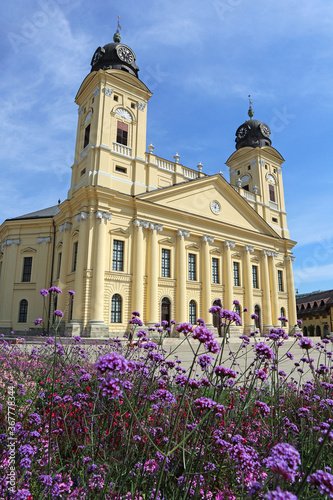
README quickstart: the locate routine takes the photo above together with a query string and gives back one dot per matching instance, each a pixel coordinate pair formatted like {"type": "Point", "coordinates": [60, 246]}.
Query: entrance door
{"type": "Point", "coordinates": [257, 320]}
{"type": "Point", "coordinates": [166, 310]}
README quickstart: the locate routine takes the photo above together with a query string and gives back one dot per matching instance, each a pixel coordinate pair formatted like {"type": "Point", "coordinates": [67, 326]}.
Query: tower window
{"type": "Point", "coordinates": [193, 312]}
{"type": "Point", "coordinates": [191, 267]}
{"type": "Point", "coordinates": [274, 219]}
{"type": "Point", "coordinates": [215, 270]}
{"type": "Point", "coordinates": [23, 311]}
{"type": "Point", "coordinates": [132, 105]}
{"type": "Point", "coordinates": [123, 170]}
{"type": "Point", "coordinates": [122, 133]}
{"type": "Point", "coordinates": [236, 274]}
{"type": "Point", "coordinates": [75, 256]}
{"type": "Point", "coordinates": [246, 188]}
{"type": "Point", "coordinates": [115, 98]}
{"type": "Point", "coordinates": [249, 167]}
{"type": "Point", "coordinates": [280, 281]}
{"type": "Point", "coordinates": [165, 263]}
{"type": "Point", "coordinates": [118, 256]}
{"type": "Point", "coordinates": [27, 265]}
{"type": "Point", "coordinates": [238, 172]}
{"type": "Point", "coordinates": [271, 192]}
{"type": "Point", "coordinates": [116, 303]}
{"type": "Point", "coordinates": [59, 264]}
{"type": "Point", "coordinates": [86, 136]}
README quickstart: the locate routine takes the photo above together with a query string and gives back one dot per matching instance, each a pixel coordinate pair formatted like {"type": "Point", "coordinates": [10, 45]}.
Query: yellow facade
{"type": "Point", "coordinates": [138, 232]}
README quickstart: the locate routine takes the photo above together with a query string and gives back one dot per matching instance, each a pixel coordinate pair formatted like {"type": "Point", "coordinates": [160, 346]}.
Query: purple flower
{"type": "Point", "coordinates": [136, 313]}
{"type": "Point", "coordinates": [54, 289]}
{"type": "Point", "coordinates": [283, 318]}
{"type": "Point", "coordinates": [164, 323]}
{"type": "Point", "coordinates": [184, 328]}
{"type": "Point", "coordinates": [254, 316]}
{"type": "Point", "coordinates": [34, 418]}
{"type": "Point", "coordinates": [115, 363]}
{"type": "Point", "coordinates": [204, 360]}
{"type": "Point", "coordinates": [245, 309]}
{"type": "Point", "coordinates": [38, 321]}
{"type": "Point", "coordinates": [59, 313]}
{"type": "Point", "coordinates": [290, 355]}
{"type": "Point", "coordinates": [214, 309]}
{"type": "Point", "coordinates": [25, 463]}
{"type": "Point", "coordinates": [299, 322]}
{"type": "Point", "coordinates": [306, 343]}
{"type": "Point", "coordinates": [86, 459]}
{"type": "Point", "coordinates": [204, 403]}
{"type": "Point", "coordinates": [201, 322]}
{"type": "Point", "coordinates": [284, 460]}
{"type": "Point", "coordinates": [263, 351]}
{"type": "Point", "coordinates": [222, 371]}
{"type": "Point", "coordinates": [45, 479]}
{"type": "Point", "coordinates": [44, 292]}
{"type": "Point", "coordinates": [163, 395]}
{"type": "Point", "coordinates": [71, 292]}
{"type": "Point", "coordinates": [26, 450]}
{"type": "Point", "coordinates": [136, 321]}
{"type": "Point", "coordinates": [278, 494]}
{"type": "Point", "coordinates": [22, 494]}
{"type": "Point", "coordinates": [263, 407]}
{"type": "Point", "coordinates": [323, 481]}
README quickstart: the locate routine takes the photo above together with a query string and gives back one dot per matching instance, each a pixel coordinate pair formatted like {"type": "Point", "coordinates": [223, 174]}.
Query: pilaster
{"type": "Point", "coordinates": [248, 286]}
{"type": "Point", "coordinates": [65, 228]}
{"type": "Point", "coordinates": [181, 276]}
{"type": "Point", "coordinates": [266, 298]}
{"type": "Point", "coordinates": [206, 278]}
{"type": "Point", "coordinates": [153, 272]}
{"type": "Point", "coordinates": [291, 291]}
{"type": "Point", "coordinates": [227, 268]}
{"type": "Point", "coordinates": [137, 288]}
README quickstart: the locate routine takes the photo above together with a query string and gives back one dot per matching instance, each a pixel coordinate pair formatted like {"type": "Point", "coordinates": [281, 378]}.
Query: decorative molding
{"type": "Point", "coordinates": [262, 163]}
{"type": "Point", "coordinates": [123, 113]}
{"type": "Point", "coordinates": [141, 105]}
{"type": "Point", "coordinates": [119, 232]}
{"type": "Point", "coordinates": [232, 173]}
{"type": "Point", "coordinates": [229, 244]}
{"type": "Point", "coordinates": [108, 91]}
{"type": "Point", "coordinates": [66, 226]}
{"type": "Point", "coordinates": [103, 215]}
{"type": "Point", "coordinates": [290, 257]}
{"type": "Point", "coordinates": [60, 245]}
{"type": "Point", "coordinates": [207, 239]}
{"type": "Point", "coordinates": [255, 259]}
{"type": "Point", "coordinates": [89, 115]}
{"type": "Point", "coordinates": [141, 223]}
{"type": "Point", "coordinates": [216, 250]}
{"type": "Point", "coordinates": [9, 242]}
{"type": "Point", "coordinates": [82, 216]}
{"type": "Point", "coordinates": [253, 163]}
{"type": "Point", "coordinates": [245, 178]}
{"type": "Point", "coordinates": [271, 178]}
{"type": "Point", "coordinates": [162, 283]}
{"type": "Point", "coordinates": [45, 239]}
{"type": "Point", "coordinates": [249, 249]}
{"type": "Point", "coordinates": [236, 256]}
{"type": "Point", "coordinates": [80, 110]}
{"type": "Point", "coordinates": [84, 152]}
{"type": "Point", "coordinates": [167, 241]}
{"type": "Point", "coordinates": [183, 233]}
{"type": "Point", "coordinates": [269, 253]}
{"type": "Point", "coordinates": [193, 246]}
{"type": "Point", "coordinates": [28, 250]}
{"type": "Point", "coordinates": [96, 91]}
{"type": "Point", "coordinates": [75, 233]}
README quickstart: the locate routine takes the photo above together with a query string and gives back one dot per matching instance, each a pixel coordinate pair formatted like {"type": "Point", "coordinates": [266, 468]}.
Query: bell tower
{"type": "Point", "coordinates": [112, 123]}
{"type": "Point", "coordinates": [256, 172]}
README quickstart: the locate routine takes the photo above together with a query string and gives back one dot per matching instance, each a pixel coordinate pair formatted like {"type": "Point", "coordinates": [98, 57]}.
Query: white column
{"type": "Point", "coordinates": [291, 291]}
{"type": "Point", "coordinates": [82, 219]}
{"type": "Point", "coordinates": [274, 289]}
{"type": "Point", "coordinates": [227, 272]}
{"type": "Point", "coordinates": [266, 298]}
{"type": "Point", "coordinates": [62, 283]}
{"type": "Point", "coordinates": [181, 276]}
{"type": "Point", "coordinates": [138, 270]}
{"type": "Point", "coordinates": [206, 278]}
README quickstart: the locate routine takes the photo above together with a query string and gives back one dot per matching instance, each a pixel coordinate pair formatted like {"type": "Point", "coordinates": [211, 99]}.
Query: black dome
{"type": "Point", "coordinates": [254, 134]}
{"type": "Point", "coordinates": [115, 56]}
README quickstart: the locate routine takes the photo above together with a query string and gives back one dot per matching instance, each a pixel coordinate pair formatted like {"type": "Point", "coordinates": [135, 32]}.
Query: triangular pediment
{"type": "Point", "coordinates": [210, 197]}
{"type": "Point", "coordinates": [28, 250]}
{"type": "Point", "coordinates": [120, 232]}
{"type": "Point", "coordinates": [216, 250]}
{"type": "Point", "coordinates": [167, 241]}
{"type": "Point", "coordinates": [193, 247]}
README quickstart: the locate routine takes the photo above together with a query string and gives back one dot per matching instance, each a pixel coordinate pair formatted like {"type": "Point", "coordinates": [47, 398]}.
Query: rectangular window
{"type": "Point", "coordinates": [86, 136]}
{"type": "Point", "coordinates": [165, 263]}
{"type": "Point", "coordinates": [191, 267]}
{"type": "Point", "coordinates": [122, 133]}
{"type": "Point", "coordinates": [215, 270]}
{"type": "Point", "coordinates": [59, 265]}
{"type": "Point", "coordinates": [255, 276]}
{"type": "Point", "coordinates": [27, 265]}
{"type": "Point", "coordinates": [123, 170]}
{"type": "Point", "coordinates": [236, 274]}
{"type": "Point", "coordinates": [280, 281]}
{"type": "Point", "coordinates": [118, 256]}
{"type": "Point", "coordinates": [74, 256]}
{"type": "Point", "coordinates": [271, 192]}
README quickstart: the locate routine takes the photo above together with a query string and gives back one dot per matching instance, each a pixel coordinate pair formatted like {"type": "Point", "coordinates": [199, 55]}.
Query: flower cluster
{"type": "Point", "coordinates": [283, 460]}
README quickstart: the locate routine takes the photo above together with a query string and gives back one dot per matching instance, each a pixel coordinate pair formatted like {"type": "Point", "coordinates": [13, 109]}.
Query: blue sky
{"type": "Point", "coordinates": [201, 60]}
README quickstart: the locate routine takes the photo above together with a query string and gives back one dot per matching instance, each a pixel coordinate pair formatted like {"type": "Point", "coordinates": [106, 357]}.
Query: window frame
{"type": "Point", "coordinates": [165, 263]}
{"type": "Point", "coordinates": [74, 257]}
{"type": "Point", "coordinates": [86, 137]}
{"type": "Point", "coordinates": [25, 273]}
{"type": "Point", "coordinates": [215, 270]}
{"type": "Point", "coordinates": [236, 273]}
{"type": "Point", "coordinates": [255, 277]}
{"type": "Point", "coordinates": [192, 267]}
{"type": "Point", "coordinates": [118, 263]}
{"type": "Point", "coordinates": [23, 311]}
{"type": "Point", "coordinates": [280, 280]}
{"type": "Point", "coordinates": [192, 314]}
{"type": "Point", "coordinates": [122, 133]}
{"type": "Point", "coordinates": [116, 308]}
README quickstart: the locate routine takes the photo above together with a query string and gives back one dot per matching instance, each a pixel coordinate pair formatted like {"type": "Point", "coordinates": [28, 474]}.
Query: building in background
{"type": "Point", "coordinates": [138, 232]}
{"type": "Point", "coordinates": [315, 309]}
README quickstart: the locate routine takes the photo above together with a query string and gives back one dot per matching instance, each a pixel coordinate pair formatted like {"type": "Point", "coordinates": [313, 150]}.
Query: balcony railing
{"type": "Point", "coordinates": [165, 165]}
{"type": "Point", "coordinates": [274, 205]}
{"type": "Point", "coordinates": [249, 196]}
{"type": "Point", "coordinates": [122, 149]}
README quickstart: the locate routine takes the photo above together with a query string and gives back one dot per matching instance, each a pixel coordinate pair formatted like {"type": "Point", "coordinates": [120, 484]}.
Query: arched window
{"type": "Point", "coordinates": [257, 320]}
{"type": "Point", "coordinates": [193, 312]}
{"type": "Point", "coordinates": [23, 312]}
{"type": "Point", "coordinates": [318, 331]}
{"type": "Point", "coordinates": [165, 310]}
{"type": "Point", "coordinates": [238, 308]}
{"type": "Point", "coordinates": [305, 330]}
{"type": "Point", "coordinates": [216, 315]}
{"type": "Point", "coordinates": [116, 303]}
{"type": "Point", "coordinates": [282, 314]}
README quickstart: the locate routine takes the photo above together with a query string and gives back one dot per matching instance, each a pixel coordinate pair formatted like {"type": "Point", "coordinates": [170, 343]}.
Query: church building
{"type": "Point", "coordinates": [139, 232]}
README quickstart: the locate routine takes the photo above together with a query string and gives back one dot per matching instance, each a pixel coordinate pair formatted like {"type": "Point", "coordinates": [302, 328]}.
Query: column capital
{"type": "Point", "coordinates": [229, 244]}
{"type": "Point", "coordinates": [269, 253]}
{"type": "Point", "coordinates": [108, 91]}
{"type": "Point", "coordinates": [8, 243]}
{"type": "Point", "coordinates": [66, 226]}
{"type": "Point", "coordinates": [45, 239]}
{"type": "Point", "coordinates": [102, 215]}
{"type": "Point", "coordinates": [207, 239]}
{"type": "Point", "coordinates": [249, 249]}
{"type": "Point", "coordinates": [157, 227]}
{"type": "Point", "coordinates": [289, 258]}
{"type": "Point", "coordinates": [82, 216]}
{"type": "Point", "coordinates": [183, 233]}
{"type": "Point", "coordinates": [96, 91]}
{"type": "Point", "coordinates": [141, 223]}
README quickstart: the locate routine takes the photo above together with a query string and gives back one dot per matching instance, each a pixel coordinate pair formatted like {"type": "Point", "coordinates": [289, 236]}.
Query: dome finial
{"type": "Point", "coordinates": [117, 36]}
{"type": "Point", "coordinates": [250, 111]}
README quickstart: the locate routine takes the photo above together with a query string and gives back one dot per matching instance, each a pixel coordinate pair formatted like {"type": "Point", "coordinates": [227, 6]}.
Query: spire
{"type": "Point", "coordinates": [250, 111]}
{"type": "Point", "coordinates": [117, 36]}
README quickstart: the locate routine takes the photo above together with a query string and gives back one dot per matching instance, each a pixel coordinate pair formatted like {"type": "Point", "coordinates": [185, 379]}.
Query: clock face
{"type": "Point", "coordinates": [242, 132]}
{"type": "Point", "coordinates": [215, 207]}
{"type": "Point", "coordinates": [125, 54]}
{"type": "Point", "coordinates": [265, 130]}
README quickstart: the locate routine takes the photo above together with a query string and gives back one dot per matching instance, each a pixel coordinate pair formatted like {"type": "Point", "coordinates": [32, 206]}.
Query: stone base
{"type": "Point", "coordinates": [73, 328]}
{"type": "Point", "coordinates": [97, 328]}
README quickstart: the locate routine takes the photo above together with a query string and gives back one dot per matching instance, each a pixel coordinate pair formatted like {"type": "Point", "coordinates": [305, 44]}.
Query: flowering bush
{"type": "Point", "coordinates": [116, 421]}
